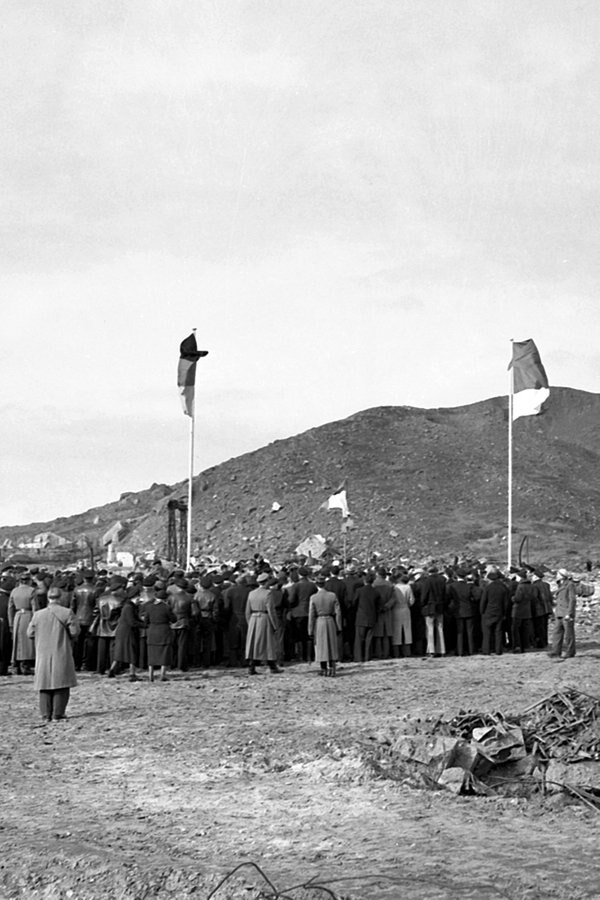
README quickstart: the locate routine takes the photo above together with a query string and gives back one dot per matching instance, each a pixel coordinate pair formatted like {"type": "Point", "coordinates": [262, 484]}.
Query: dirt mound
{"type": "Point", "coordinates": [420, 483]}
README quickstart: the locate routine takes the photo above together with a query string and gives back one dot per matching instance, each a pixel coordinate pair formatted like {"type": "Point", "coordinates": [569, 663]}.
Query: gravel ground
{"type": "Point", "coordinates": [161, 790]}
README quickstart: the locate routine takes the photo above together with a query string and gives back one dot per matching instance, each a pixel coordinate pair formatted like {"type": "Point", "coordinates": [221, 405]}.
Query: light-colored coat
{"type": "Point", "coordinates": [52, 629]}
{"type": "Point", "coordinates": [261, 640]}
{"type": "Point", "coordinates": [324, 622]}
{"type": "Point", "coordinates": [401, 625]}
{"type": "Point", "coordinates": [21, 607]}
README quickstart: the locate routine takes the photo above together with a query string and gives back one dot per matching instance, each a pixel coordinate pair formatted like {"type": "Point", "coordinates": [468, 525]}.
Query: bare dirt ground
{"type": "Point", "coordinates": [161, 790]}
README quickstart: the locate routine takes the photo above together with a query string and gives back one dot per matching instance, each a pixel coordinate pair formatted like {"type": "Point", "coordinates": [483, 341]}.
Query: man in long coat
{"type": "Point", "coordinates": [324, 625]}
{"type": "Point", "coordinates": [6, 586]}
{"type": "Point", "coordinates": [21, 607]}
{"type": "Point", "coordinates": [494, 603]}
{"type": "Point", "coordinates": [53, 629]}
{"type": "Point", "coordinates": [261, 642]}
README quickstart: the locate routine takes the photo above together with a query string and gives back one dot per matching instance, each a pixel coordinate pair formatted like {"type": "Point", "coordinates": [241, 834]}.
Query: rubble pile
{"type": "Point", "coordinates": [553, 745]}
{"type": "Point", "coordinates": [565, 726]}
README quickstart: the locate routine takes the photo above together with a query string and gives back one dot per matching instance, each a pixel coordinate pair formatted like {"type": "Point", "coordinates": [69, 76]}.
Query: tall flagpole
{"type": "Point", "coordinates": [511, 376]}
{"type": "Point", "coordinates": [186, 382]}
{"type": "Point", "coordinates": [190, 488]}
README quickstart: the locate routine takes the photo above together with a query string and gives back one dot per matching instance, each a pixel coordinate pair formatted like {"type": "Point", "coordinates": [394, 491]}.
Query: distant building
{"type": "Point", "coordinates": [46, 540]}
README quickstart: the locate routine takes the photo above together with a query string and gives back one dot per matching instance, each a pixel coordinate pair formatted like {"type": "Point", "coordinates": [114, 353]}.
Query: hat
{"type": "Point", "coordinates": [54, 593]}
{"type": "Point", "coordinates": [320, 579]}
{"type": "Point", "coordinates": [117, 582]}
{"type": "Point", "coordinates": [303, 571]}
{"type": "Point", "coordinates": [562, 573]}
{"type": "Point", "coordinates": [264, 576]}
{"type": "Point", "coordinates": [493, 574]}
{"type": "Point", "coordinates": [149, 581]}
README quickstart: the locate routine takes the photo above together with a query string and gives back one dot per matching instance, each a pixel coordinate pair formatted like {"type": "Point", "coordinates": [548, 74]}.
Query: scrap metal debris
{"type": "Point", "coordinates": [565, 725]}
{"type": "Point", "coordinates": [486, 753]}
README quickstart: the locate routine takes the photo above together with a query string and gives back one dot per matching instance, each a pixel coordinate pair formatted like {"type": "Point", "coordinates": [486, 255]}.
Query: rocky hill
{"type": "Point", "coordinates": [420, 482]}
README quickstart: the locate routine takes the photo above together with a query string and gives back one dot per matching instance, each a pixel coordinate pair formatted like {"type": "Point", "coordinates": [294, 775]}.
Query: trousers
{"type": "Point", "coordinates": [54, 703]}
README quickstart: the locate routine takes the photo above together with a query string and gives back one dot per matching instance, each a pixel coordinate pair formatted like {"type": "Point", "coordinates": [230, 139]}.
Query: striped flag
{"type": "Point", "coordinates": [530, 382]}
{"type": "Point", "coordinates": [186, 371]}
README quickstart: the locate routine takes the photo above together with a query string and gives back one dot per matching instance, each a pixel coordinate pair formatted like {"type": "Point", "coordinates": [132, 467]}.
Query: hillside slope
{"type": "Point", "coordinates": [420, 482]}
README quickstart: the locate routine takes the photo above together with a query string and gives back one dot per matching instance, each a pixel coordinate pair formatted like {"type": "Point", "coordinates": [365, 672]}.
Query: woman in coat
{"type": "Point", "coordinates": [403, 599]}
{"type": "Point", "coordinates": [53, 629]}
{"type": "Point", "coordinates": [261, 640]}
{"type": "Point", "coordinates": [324, 625]}
{"type": "Point", "coordinates": [126, 649]}
{"type": "Point", "coordinates": [158, 618]}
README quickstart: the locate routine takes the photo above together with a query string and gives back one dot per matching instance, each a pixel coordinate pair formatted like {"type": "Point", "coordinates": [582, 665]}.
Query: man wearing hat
{"type": "Point", "coordinates": [565, 601]}
{"type": "Point", "coordinates": [83, 604]}
{"type": "Point", "coordinates": [21, 607]}
{"type": "Point", "coordinates": [494, 605]}
{"type": "Point", "coordinates": [433, 602]}
{"type": "Point", "coordinates": [542, 608]}
{"type": "Point", "coordinates": [6, 586]}
{"type": "Point", "coordinates": [299, 596]}
{"type": "Point", "coordinates": [261, 641]}
{"type": "Point", "coordinates": [324, 625]}
{"type": "Point", "coordinates": [53, 629]}
{"type": "Point", "coordinates": [109, 608]}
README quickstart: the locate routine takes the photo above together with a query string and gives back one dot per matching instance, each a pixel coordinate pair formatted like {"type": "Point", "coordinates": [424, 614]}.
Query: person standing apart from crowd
{"type": "Point", "coordinates": [565, 601]}
{"type": "Point", "coordinates": [53, 630]}
{"type": "Point", "coordinates": [324, 626]}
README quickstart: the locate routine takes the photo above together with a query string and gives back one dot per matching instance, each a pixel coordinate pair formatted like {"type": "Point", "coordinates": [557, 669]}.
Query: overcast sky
{"type": "Point", "coordinates": [357, 203]}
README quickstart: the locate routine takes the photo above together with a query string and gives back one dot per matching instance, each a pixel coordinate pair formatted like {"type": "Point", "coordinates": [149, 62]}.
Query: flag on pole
{"type": "Point", "coordinates": [530, 382]}
{"type": "Point", "coordinates": [338, 500]}
{"type": "Point", "coordinates": [186, 371]}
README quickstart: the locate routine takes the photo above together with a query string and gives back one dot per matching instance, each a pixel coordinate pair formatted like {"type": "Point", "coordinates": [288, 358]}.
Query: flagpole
{"type": "Point", "coordinates": [190, 488]}
{"type": "Point", "coordinates": [511, 377]}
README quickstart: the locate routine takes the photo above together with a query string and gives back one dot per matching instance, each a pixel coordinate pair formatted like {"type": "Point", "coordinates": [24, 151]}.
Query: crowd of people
{"type": "Point", "coordinates": [255, 614]}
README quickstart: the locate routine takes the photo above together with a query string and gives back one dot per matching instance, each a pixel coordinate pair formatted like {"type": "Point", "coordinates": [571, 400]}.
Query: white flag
{"type": "Point", "coordinates": [338, 500]}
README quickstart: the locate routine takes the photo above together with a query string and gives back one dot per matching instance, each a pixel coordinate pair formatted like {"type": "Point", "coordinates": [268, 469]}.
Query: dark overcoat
{"type": "Point", "coordinates": [127, 635]}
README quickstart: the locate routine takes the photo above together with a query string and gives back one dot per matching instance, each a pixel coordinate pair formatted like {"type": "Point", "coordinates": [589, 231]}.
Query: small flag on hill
{"type": "Point", "coordinates": [186, 371]}
{"type": "Point", "coordinates": [530, 382]}
{"type": "Point", "coordinates": [338, 500]}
